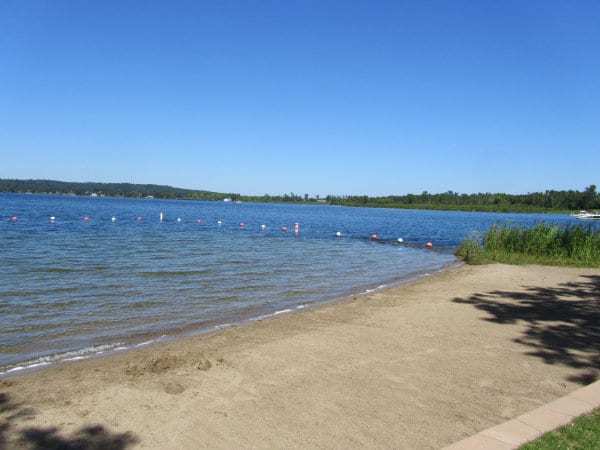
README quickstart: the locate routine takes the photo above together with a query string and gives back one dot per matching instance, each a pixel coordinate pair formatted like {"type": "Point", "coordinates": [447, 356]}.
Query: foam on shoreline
{"type": "Point", "coordinates": [120, 346]}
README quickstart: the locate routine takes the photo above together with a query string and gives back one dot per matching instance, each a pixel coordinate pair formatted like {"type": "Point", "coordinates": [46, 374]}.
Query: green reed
{"type": "Point", "coordinates": [570, 245]}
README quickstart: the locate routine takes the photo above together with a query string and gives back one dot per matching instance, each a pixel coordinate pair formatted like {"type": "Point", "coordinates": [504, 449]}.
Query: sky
{"type": "Point", "coordinates": [313, 97]}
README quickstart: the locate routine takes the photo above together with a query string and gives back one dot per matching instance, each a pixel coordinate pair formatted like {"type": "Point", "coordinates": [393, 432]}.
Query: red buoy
{"type": "Point", "coordinates": [373, 236]}
{"type": "Point", "coordinates": [86, 219]}
{"type": "Point", "coordinates": [429, 245]}
{"type": "Point", "coordinates": [198, 221]}
{"type": "Point", "coordinates": [242, 224]}
{"type": "Point", "coordinates": [283, 229]}
{"type": "Point", "coordinates": [139, 219]}
{"type": "Point", "coordinates": [14, 218]}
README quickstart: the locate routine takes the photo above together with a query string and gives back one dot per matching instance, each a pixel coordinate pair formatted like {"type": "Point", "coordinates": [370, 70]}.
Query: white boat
{"type": "Point", "coordinates": [586, 215]}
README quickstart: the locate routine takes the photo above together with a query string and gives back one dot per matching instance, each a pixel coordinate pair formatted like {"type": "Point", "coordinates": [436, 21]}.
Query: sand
{"type": "Point", "coordinates": [419, 365]}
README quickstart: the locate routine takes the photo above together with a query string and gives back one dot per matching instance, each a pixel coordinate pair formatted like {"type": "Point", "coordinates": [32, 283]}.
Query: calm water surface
{"type": "Point", "coordinates": [71, 288]}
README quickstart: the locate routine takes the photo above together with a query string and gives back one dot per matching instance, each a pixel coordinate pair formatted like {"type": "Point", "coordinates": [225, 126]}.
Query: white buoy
{"type": "Point", "coordinates": [263, 226]}
{"type": "Point", "coordinates": [179, 219]}
{"type": "Point", "coordinates": [400, 240]}
{"type": "Point", "coordinates": [161, 216]}
{"type": "Point", "coordinates": [219, 222]}
{"type": "Point", "coordinates": [52, 219]}
{"type": "Point", "coordinates": [113, 219]}
{"type": "Point", "coordinates": [339, 233]}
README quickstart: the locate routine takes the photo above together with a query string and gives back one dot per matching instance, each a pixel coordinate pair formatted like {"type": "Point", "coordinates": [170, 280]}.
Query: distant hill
{"type": "Point", "coordinates": [548, 201]}
{"type": "Point", "coordinates": [108, 189]}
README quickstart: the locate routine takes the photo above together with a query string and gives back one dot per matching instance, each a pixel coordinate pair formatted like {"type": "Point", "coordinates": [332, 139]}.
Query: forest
{"type": "Point", "coordinates": [547, 201]}
{"type": "Point", "coordinates": [107, 189]}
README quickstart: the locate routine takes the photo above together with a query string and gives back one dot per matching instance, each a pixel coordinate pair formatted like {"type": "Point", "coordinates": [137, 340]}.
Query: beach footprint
{"type": "Point", "coordinates": [174, 388]}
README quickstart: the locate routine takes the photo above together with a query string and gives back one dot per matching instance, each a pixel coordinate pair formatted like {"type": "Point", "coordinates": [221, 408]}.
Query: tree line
{"type": "Point", "coordinates": [108, 189]}
{"type": "Point", "coordinates": [548, 201]}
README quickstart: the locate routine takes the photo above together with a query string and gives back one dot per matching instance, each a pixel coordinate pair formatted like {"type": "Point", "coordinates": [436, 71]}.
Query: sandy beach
{"type": "Point", "coordinates": [419, 365]}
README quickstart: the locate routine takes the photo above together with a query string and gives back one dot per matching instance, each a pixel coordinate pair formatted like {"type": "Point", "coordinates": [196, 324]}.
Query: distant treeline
{"type": "Point", "coordinates": [548, 201]}
{"type": "Point", "coordinates": [108, 189]}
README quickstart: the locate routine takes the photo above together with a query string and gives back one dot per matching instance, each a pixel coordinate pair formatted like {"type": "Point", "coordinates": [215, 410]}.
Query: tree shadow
{"type": "Point", "coordinates": [563, 323]}
{"type": "Point", "coordinates": [93, 437]}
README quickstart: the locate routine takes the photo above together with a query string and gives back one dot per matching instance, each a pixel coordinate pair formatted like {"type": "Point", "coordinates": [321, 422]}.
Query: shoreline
{"type": "Point", "coordinates": [110, 348]}
{"type": "Point", "coordinates": [421, 364]}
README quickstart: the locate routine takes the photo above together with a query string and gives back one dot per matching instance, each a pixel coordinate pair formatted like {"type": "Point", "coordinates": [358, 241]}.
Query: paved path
{"type": "Point", "coordinates": [531, 425]}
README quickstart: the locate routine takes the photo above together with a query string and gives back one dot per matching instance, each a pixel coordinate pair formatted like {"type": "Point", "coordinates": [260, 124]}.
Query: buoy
{"type": "Point", "coordinates": [283, 229]}
{"type": "Point", "coordinates": [339, 233]}
{"type": "Point", "coordinates": [198, 221]}
{"type": "Point", "coordinates": [296, 228]}
{"type": "Point", "coordinates": [113, 219]}
{"type": "Point", "coordinates": [219, 222]}
{"type": "Point", "coordinates": [86, 219]}
{"type": "Point", "coordinates": [14, 218]}
{"type": "Point", "coordinates": [263, 226]}
{"type": "Point", "coordinates": [161, 216]}
{"type": "Point", "coordinates": [400, 240]}
{"type": "Point", "coordinates": [429, 245]}
{"type": "Point", "coordinates": [373, 236]}
{"type": "Point", "coordinates": [139, 219]}
{"type": "Point", "coordinates": [179, 219]}
{"type": "Point", "coordinates": [242, 224]}
{"type": "Point", "coordinates": [52, 219]}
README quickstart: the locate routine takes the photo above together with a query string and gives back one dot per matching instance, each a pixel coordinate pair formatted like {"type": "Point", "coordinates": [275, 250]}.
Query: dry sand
{"type": "Point", "coordinates": [419, 365]}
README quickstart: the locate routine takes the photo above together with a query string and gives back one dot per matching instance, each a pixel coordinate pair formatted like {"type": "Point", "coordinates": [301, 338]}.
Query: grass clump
{"type": "Point", "coordinates": [582, 433]}
{"type": "Point", "coordinates": [570, 245]}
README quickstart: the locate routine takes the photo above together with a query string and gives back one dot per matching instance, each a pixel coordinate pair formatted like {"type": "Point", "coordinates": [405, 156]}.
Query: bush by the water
{"type": "Point", "coordinates": [571, 245]}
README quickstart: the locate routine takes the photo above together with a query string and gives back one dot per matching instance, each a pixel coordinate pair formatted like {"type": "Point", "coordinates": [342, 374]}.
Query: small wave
{"type": "Point", "coordinates": [73, 355]}
{"type": "Point", "coordinates": [175, 273]}
{"type": "Point", "coordinates": [141, 305]}
{"type": "Point", "coordinates": [273, 314]}
{"type": "Point", "coordinates": [139, 344]}
{"type": "Point", "coordinates": [57, 270]}
{"type": "Point", "coordinates": [382, 286]}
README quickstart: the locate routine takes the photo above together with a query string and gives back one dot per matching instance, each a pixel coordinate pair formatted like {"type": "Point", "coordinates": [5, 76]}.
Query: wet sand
{"type": "Point", "coordinates": [419, 365]}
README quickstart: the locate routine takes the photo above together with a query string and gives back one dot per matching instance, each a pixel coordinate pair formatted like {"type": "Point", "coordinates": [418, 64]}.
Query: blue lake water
{"type": "Point", "coordinates": [72, 288]}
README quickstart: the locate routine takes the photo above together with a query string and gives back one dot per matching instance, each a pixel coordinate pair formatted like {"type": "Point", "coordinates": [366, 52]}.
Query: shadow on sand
{"type": "Point", "coordinates": [94, 437]}
{"type": "Point", "coordinates": [563, 323]}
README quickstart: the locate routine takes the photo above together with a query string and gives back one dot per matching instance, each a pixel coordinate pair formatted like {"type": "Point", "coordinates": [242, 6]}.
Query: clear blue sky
{"type": "Point", "coordinates": [318, 97]}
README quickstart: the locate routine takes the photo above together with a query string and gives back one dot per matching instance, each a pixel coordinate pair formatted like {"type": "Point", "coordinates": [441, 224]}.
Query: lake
{"type": "Point", "coordinates": [106, 274]}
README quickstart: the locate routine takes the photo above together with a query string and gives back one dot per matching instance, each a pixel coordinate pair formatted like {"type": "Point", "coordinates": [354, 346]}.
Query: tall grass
{"type": "Point", "coordinates": [570, 245]}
